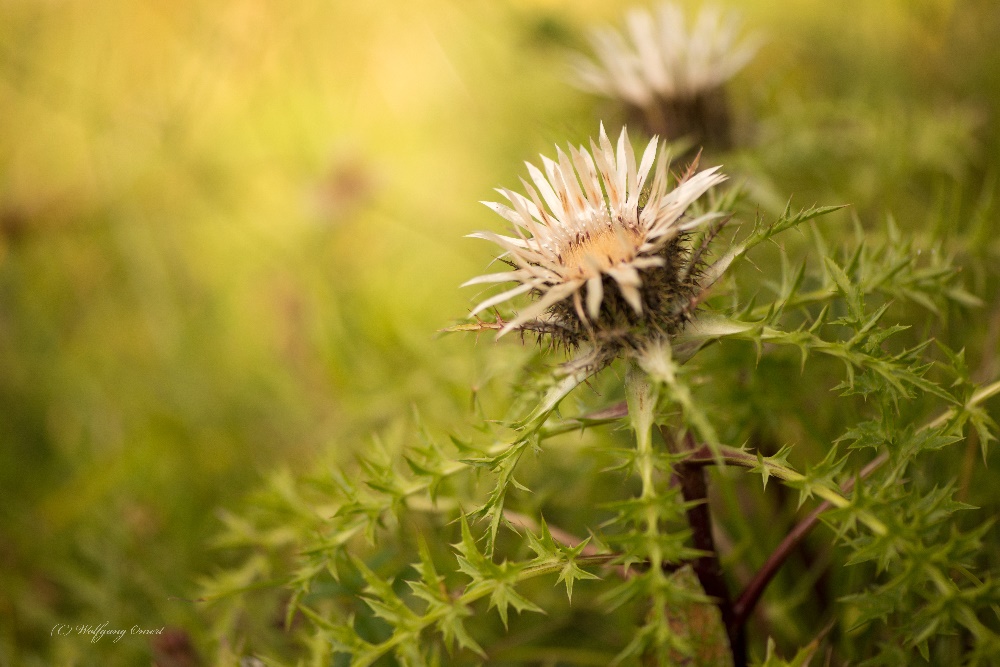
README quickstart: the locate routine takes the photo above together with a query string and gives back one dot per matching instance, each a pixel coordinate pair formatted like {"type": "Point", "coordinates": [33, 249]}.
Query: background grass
{"type": "Point", "coordinates": [229, 231]}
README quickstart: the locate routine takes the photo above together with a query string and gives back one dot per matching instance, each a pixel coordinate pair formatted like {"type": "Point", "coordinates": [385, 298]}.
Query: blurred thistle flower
{"type": "Point", "coordinates": [606, 255]}
{"type": "Point", "coordinates": [670, 78]}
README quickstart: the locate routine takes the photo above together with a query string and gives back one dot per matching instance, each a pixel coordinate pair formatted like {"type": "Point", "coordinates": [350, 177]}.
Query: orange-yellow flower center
{"type": "Point", "coordinates": [591, 253]}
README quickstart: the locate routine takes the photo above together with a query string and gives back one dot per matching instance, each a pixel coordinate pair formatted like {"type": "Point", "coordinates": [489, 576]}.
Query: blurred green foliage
{"type": "Point", "coordinates": [229, 231]}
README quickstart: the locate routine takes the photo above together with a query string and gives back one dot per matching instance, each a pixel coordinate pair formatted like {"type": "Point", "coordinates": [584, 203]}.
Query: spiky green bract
{"type": "Point", "coordinates": [528, 431]}
{"type": "Point", "coordinates": [802, 659]}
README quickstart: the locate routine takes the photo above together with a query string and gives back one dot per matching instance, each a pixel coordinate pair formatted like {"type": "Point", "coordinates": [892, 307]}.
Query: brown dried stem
{"type": "Point", "coordinates": [691, 478]}
{"type": "Point", "coordinates": [751, 594]}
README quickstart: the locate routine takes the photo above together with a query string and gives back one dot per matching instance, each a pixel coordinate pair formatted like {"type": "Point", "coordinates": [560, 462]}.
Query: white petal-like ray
{"type": "Point", "coordinates": [505, 241]}
{"type": "Point", "coordinates": [629, 283]}
{"type": "Point", "coordinates": [588, 175]}
{"type": "Point", "coordinates": [648, 262]}
{"type": "Point", "coordinates": [502, 277]}
{"type": "Point", "coordinates": [595, 295]}
{"type": "Point", "coordinates": [694, 223]}
{"type": "Point", "coordinates": [545, 189]}
{"type": "Point", "coordinates": [503, 296]}
{"type": "Point", "coordinates": [624, 174]}
{"type": "Point", "coordinates": [550, 298]}
{"type": "Point", "coordinates": [576, 196]}
{"type": "Point", "coordinates": [647, 162]}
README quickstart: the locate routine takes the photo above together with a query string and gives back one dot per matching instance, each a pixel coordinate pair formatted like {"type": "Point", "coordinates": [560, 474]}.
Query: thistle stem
{"type": "Point", "coordinates": [694, 488]}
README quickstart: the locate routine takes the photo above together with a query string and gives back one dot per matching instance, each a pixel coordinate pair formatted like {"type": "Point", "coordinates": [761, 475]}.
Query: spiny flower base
{"type": "Point", "coordinates": [668, 292]}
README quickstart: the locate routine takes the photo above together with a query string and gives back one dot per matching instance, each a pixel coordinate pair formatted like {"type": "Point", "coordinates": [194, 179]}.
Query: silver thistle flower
{"type": "Point", "coordinates": [602, 266]}
{"type": "Point", "coordinates": [671, 74]}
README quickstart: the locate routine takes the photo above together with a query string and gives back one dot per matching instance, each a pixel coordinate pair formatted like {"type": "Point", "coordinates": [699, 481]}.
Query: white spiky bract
{"type": "Point", "coordinates": [581, 222]}
{"type": "Point", "coordinates": [658, 57]}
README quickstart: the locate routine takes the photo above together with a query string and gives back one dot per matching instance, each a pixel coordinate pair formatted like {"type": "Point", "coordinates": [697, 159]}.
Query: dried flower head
{"type": "Point", "coordinates": [604, 265]}
{"type": "Point", "coordinates": [670, 76]}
